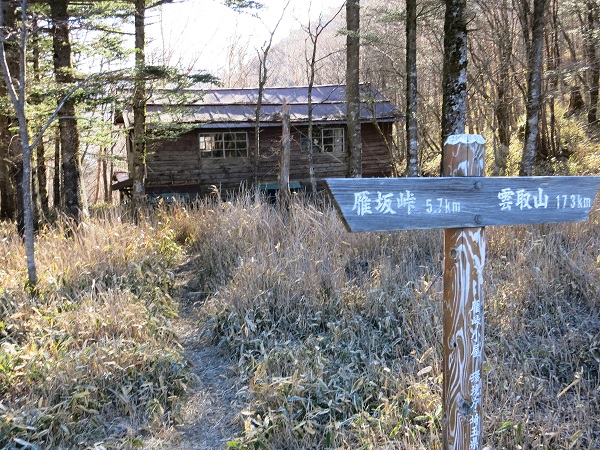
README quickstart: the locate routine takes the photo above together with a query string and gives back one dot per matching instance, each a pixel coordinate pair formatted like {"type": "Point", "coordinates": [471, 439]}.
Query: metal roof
{"type": "Point", "coordinates": [237, 107]}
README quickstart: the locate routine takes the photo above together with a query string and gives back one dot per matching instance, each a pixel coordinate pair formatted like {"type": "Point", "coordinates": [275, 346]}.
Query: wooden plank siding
{"type": "Point", "coordinates": [176, 166]}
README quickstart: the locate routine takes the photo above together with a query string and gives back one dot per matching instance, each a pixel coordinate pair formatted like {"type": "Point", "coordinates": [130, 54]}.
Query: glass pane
{"type": "Point", "coordinates": [304, 144]}
{"type": "Point", "coordinates": [207, 142]}
{"type": "Point", "coordinates": [223, 145]}
{"type": "Point", "coordinates": [333, 140]}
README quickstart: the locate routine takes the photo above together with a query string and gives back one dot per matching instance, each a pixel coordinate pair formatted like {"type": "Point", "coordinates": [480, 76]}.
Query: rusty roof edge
{"type": "Point", "coordinates": [373, 107]}
{"type": "Point", "coordinates": [329, 89]}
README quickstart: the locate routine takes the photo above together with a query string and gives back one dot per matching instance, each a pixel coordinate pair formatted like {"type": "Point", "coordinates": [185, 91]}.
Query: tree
{"type": "Point", "coordinates": [534, 81]}
{"type": "Point", "coordinates": [311, 62]}
{"type": "Point", "coordinates": [8, 140]}
{"type": "Point", "coordinates": [502, 110]}
{"type": "Point", "coordinates": [138, 172]}
{"type": "Point", "coordinates": [352, 87]}
{"type": "Point", "coordinates": [18, 99]}
{"type": "Point", "coordinates": [239, 5]}
{"type": "Point", "coordinates": [284, 161]}
{"type": "Point", "coordinates": [593, 59]}
{"type": "Point", "coordinates": [72, 194]}
{"type": "Point", "coordinates": [40, 170]}
{"type": "Point", "coordinates": [454, 72]}
{"type": "Point", "coordinates": [412, 145]}
{"type": "Point", "coordinates": [141, 74]}
{"type": "Point", "coordinates": [552, 145]}
{"type": "Point", "coordinates": [263, 56]}
{"type": "Point", "coordinates": [16, 88]}
{"type": "Point", "coordinates": [492, 84]}
{"type": "Point", "coordinates": [139, 106]}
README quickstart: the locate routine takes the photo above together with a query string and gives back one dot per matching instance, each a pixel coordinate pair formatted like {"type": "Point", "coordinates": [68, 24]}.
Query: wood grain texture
{"type": "Point", "coordinates": [458, 202]}
{"type": "Point", "coordinates": [464, 259]}
{"type": "Point", "coordinates": [284, 165]}
{"type": "Point", "coordinates": [177, 162]}
{"type": "Point", "coordinates": [461, 201]}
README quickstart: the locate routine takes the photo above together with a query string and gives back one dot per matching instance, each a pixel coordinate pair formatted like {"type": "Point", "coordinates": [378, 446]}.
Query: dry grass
{"type": "Point", "coordinates": [89, 358]}
{"type": "Point", "coordinates": [337, 336]}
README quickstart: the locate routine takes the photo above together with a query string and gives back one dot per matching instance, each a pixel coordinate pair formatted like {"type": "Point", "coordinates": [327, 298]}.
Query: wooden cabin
{"type": "Point", "coordinates": [217, 150]}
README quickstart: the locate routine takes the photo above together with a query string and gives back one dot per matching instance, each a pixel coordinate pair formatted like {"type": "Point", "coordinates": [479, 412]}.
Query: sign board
{"type": "Point", "coordinates": [462, 205]}
{"type": "Point", "coordinates": [387, 204]}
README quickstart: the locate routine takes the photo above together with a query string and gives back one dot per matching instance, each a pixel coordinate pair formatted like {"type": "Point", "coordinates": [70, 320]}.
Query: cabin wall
{"type": "Point", "coordinates": [175, 165]}
{"type": "Point", "coordinates": [376, 156]}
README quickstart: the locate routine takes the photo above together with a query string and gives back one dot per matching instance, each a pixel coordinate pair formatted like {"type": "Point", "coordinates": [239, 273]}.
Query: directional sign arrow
{"type": "Point", "coordinates": [386, 204]}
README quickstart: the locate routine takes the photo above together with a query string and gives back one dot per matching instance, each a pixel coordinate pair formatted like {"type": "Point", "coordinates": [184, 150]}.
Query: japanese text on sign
{"type": "Point", "coordinates": [522, 199]}
{"type": "Point", "coordinates": [406, 202]}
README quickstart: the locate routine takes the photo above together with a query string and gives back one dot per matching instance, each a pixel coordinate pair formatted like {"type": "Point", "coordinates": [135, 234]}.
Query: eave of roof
{"type": "Point", "coordinates": [237, 107]}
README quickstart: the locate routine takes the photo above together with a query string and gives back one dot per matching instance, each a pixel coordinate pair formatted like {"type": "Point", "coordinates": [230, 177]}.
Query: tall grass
{"type": "Point", "coordinates": [88, 358]}
{"type": "Point", "coordinates": [337, 336]}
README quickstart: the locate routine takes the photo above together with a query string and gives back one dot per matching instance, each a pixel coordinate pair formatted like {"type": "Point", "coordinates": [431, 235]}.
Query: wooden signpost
{"type": "Point", "coordinates": [462, 205]}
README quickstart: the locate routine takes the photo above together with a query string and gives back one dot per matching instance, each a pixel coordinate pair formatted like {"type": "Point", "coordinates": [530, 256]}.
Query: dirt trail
{"type": "Point", "coordinates": [211, 409]}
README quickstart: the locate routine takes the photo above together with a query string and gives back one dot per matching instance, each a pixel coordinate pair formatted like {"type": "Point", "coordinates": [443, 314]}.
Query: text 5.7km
{"type": "Point", "coordinates": [390, 203]}
{"type": "Point", "coordinates": [385, 204]}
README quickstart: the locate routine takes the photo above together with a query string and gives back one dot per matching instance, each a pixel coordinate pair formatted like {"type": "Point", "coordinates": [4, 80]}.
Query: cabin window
{"type": "Point", "coordinates": [231, 144]}
{"type": "Point", "coordinates": [325, 140]}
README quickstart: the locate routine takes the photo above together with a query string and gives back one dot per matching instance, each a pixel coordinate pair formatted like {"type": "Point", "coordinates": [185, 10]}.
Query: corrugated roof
{"type": "Point", "coordinates": [237, 107]}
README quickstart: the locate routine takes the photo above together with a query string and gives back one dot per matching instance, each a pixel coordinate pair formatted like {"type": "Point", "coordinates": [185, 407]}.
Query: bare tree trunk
{"type": "Point", "coordinates": [311, 147]}
{"type": "Point", "coordinates": [412, 144]}
{"type": "Point", "coordinates": [594, 61]}
{"type": "Point", "coordinates": [98, 173]}
{"type": "Point", "coordinates": [7, 187]}
{"type": "Point", "coordinates": [576, 102]}
{"type": "Point", "coordinates": [35, 194]}
{"type": "Point", "coordinates": [454, 84]}
{"type": "Point", "coordinates": [311, 81]}
{"type": "Point", "coordinates": [553, 69]}
{"type": "Point", "coordinates": [105, 179]}
{"type": "Point", "coordinates": [262, 81]}
{"type": "Point", "coordinates": [56, 194]}
{"type": "Point", "coordinates": [72, 195]}
{"type": "Point", "coordinates": [42, 180]}
{"type": "Point", "coordinates": [20, 181]}
{"type": "Point", "coordinates": [139, 107]}
{"type": "Point", "coordinates": [8, 152]}
{"type": "Point", "coordinates": [502, 108]}
{"type": "Point", "coordinates": [311, 67]}
{"type": "Point", "coordinates": [18, 101]}
{"type": "Point", "coordinates": [353, 88]}
{"type": "Point", "coordinates": [284, 165]}
{"type": "Point", "coordinates": [534, 88]}
{"type": "Point", "coordinates": [41, 189]}
{"type": "Point", "coordinates": [544, 146]}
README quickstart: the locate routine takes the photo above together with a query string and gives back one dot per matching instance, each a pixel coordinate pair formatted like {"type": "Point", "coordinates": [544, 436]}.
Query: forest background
{"type": "Point", "coordinates": [351, 359]}
{"type": "Point", "coordinates": [97, 41]}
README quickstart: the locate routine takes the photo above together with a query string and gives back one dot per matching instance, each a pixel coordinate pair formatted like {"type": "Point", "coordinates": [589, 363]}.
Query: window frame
{"type": "Point", "coordinates": [227, 146]}
{"type": "Point", "coordinates": [320, 145]}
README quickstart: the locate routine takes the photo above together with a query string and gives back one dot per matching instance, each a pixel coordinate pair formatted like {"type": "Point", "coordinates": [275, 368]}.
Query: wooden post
{"type": "Point", "coordinates": [284, 169]}
{"type": "Point", "coordinates": [462, 206]}
{"type": "Point", "coordinates": [464, 257]}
